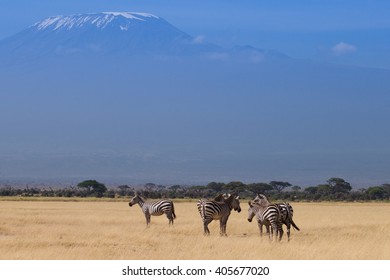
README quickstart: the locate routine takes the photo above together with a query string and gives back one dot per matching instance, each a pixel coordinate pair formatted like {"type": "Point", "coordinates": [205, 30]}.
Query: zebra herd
{"type": "Point", "coordinates": [274, 215]}
{"type": "Point", "coordinates": [270, 215]}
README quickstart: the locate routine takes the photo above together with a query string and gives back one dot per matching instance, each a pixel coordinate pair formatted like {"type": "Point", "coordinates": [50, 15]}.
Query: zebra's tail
{"type": "Point", "coordinates": [289, 214]}
{"type": "Point", "coordinates": [202, 209]}
{"type": "Point", "coordinates": [290, 217]}
{"type": "Point", "coordinates": [173, 211]}
{"type": "Point", "coordinates": [294, 225]}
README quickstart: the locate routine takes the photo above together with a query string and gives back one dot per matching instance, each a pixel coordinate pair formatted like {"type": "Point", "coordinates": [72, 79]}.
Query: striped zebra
{"type": "Point", "coordinates": [267, 214]}
{"type": "Point", "coordinates": [210, 210]}
{"type": "Point", "coordinates": [156, 208]}
{"type": "Point", "coordinates": [287, 213]}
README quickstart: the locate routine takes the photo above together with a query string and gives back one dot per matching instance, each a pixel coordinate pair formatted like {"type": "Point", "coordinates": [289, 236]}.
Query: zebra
{"type": "Point", "coordinates": [253, 211]}
{"type": "Point", "coordinates": [266, 214]}
{"type": "Point", "coordinates": [287, 213]}
{"type": "Point", "coordinates": [156, 208]}
{"type": "Point", "coordinates": [219, 209]}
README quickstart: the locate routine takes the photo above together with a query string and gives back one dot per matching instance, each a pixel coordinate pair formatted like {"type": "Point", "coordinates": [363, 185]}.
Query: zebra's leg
{"type": "Point", "coordinates": [205, 226]}
{"type": "Point", "coordinates": [222, 227]}
{"type": "Point", "coordinates": [170, 217]}
{"type": "Point", "coordinates": [267, 229]}
{"type": "Point", "coordinates": [147, 216]}
{"type": "Point", "coordinates": [288, 231]}
{"type": "Point", "coordinates": [260, 225]}
{"type": "Point", "coordinates": [223, 223]}
{"type": "Point", "coordinates": [274, 230]}
{"type": "Point", "coordinates": [280, 228]}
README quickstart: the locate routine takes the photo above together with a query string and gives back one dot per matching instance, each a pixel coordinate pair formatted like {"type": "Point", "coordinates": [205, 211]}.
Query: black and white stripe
{"type": "Point", "coordinates": [156, 208]}
{"type": "Point", "coordinates": [210, 210]}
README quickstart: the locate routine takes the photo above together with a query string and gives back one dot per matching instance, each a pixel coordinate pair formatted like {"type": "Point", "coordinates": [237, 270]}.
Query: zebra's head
{"type": "Point", "coordinates": [251, 212]}
{"type": "Point", "coordinates": [235, 202]}
{"type": "Point", "coordinates": [136, 199]}
{"type": "Point", "coordinates": [261, 199]}
{"type": "Point", "coordinates": [220, 197]}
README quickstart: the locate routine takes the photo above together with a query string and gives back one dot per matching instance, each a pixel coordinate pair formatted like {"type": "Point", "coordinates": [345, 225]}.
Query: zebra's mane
{"type": "Point", "coordinates": [254, 206]}
{"type": "Point", "coordinates": [220, 198]}
{"type": "Point", "coordinates": [140, 198]}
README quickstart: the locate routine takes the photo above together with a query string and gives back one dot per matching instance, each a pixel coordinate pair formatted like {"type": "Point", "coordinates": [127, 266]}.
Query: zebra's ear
{"type": "Point", "coordinates": [238, 197]}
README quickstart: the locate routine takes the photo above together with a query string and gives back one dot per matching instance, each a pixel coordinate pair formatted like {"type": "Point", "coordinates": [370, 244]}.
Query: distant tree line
{"type": "Point", "coordinates": [335, 189]}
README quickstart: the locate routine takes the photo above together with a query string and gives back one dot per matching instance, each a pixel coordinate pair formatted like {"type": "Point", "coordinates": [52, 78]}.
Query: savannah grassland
{"type": "Point", "coordinates": [92, 229]}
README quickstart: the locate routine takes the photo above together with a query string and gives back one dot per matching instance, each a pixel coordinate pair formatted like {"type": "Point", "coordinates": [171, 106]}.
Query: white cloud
{"type": "Point", "coordinates": [199, 39]}
{"type": "Point", "coordinates": [343, 48]}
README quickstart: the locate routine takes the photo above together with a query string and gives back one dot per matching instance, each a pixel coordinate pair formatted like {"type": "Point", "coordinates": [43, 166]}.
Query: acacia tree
{"type": "Point", "coordinates": [259, 187]}
{"type": "Point", "coordinates": [93, 187]}
{"type": "Point", "coordinates": [174, 190]}
{"type": "Point", "coordinates": [339, 185]}
{"type": "Point", "coordinates": [217, 187]}
{"type": "Point", "coordinates": [296, 188]}
{"type": "Point", "coordinates": [376, 193]}
{"type": "Point", "coordinates": [235, 186]}
{"type": "Point", "coordinates": [279, 185]}
{"type": "Point", "coordinates": [124, 189]}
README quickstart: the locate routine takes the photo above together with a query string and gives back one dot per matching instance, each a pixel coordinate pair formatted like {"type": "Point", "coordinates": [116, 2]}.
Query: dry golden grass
{"type": "Point", "coordinates": [112, 230]}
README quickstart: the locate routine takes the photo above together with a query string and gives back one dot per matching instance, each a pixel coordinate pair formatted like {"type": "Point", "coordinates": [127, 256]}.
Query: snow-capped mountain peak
{"type": "Point", "coordinates": [128, 33]}
{"type": "Point", "coordinates": [114, 33]}
{"type": "Point", "coordinates": [99, 20]}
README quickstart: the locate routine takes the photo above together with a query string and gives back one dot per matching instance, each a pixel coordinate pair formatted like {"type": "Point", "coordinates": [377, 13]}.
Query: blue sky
{"type": "Point", "coordinates": [350, 32]}
{"type": "Point", "coordinates": [297, 121]}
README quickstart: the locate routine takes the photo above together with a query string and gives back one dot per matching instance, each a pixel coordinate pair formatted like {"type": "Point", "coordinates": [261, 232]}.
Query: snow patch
{"type": "Point", "coordinates": [47, 22]}
{"type": "Point", "coordinates": [132, 15]}
{"type": "Point", "coordinates": [100, 20]}
{"type": "Point", "coordinates": [124, 28]}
